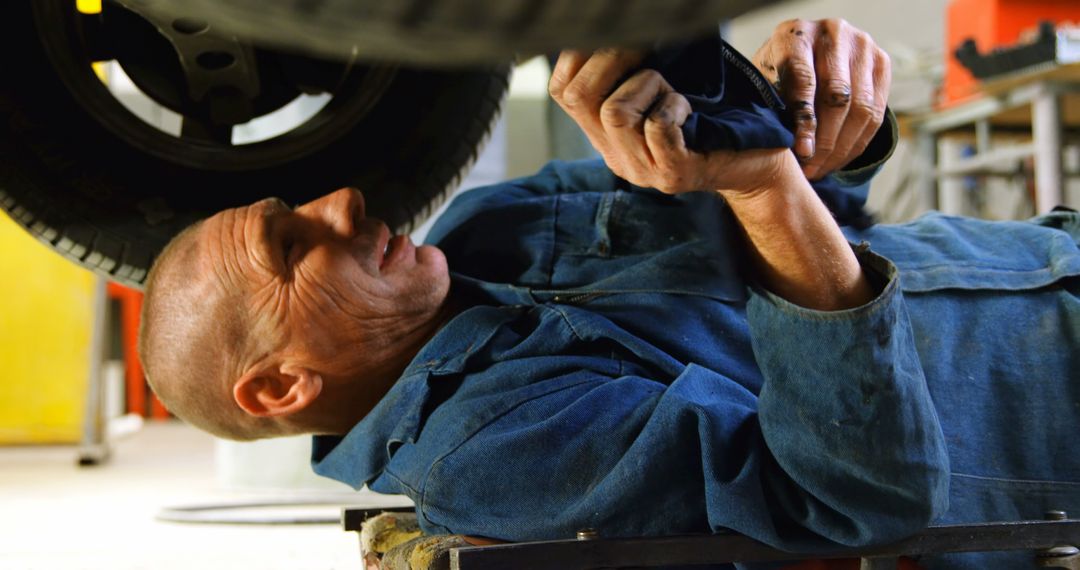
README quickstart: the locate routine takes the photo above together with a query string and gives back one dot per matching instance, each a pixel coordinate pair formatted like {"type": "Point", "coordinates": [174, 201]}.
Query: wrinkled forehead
{"type": "Point", "coordinates": [235, 238]}
{"type": "Point", "coordinates": [219, 251]}
{"type": "Point", "coordinates": [229, 255]}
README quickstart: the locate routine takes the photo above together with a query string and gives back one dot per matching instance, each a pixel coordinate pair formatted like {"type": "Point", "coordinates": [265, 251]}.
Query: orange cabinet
{"type": "Point", "coordinates": [993, 24]}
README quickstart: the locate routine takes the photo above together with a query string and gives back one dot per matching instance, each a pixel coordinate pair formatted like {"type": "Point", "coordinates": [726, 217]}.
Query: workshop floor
{"type": "Point", "coordinates": [54, 514]}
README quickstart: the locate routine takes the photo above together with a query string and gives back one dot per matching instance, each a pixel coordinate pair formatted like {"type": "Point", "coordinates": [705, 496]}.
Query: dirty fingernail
{"type": "Point", "coordinates": [804, 148]}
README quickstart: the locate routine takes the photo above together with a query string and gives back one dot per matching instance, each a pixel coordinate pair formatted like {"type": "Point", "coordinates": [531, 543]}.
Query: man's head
{"type": "Point", "coordinates": [265, 320]}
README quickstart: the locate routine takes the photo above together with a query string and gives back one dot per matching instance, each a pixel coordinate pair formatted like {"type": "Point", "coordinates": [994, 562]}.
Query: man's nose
{"type": "Point", "coordinates": [340, 210]}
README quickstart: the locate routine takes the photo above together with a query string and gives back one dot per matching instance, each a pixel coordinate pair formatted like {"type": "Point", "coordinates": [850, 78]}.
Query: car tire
{"type": "Point", "coordinates": [103, 201]}
{"type": "Point", "coordinates": [457, 31]}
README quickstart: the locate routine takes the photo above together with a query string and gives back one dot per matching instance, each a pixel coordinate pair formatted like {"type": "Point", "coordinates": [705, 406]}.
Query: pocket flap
{"type": "Point", "coordinates": [946, 252]}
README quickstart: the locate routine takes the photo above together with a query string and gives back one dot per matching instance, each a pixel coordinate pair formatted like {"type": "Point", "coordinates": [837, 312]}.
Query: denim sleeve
{"type": "Point", "coordinates": [846, 413]}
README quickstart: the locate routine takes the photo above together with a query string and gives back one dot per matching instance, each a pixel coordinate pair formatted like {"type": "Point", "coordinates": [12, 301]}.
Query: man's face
{"type": "Point", "coordinates": [322, 280]}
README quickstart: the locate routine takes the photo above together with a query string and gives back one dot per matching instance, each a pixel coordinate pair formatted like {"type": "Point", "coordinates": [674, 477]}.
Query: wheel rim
{"type": "Point", "coordinates": [73, 42]}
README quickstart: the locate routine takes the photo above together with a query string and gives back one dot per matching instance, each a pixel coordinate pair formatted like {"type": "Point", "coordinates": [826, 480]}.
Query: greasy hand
{"type": "Point", "coordinates": [835, 80]}
{"type": "Point", "coordinates": [636, 125]}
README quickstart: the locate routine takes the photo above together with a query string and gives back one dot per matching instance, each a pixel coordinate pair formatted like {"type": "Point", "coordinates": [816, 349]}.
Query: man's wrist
{"type": "Point", "coordinates": [772, 184]}
{"type": "Point", "coordinates": [797, 248]}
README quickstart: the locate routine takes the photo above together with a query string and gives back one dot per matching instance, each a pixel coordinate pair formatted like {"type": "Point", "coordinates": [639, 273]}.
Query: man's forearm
{"type": "Point", "coordinates": [798, 250]}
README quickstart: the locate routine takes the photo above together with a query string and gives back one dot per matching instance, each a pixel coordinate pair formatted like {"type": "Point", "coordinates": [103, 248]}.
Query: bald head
{"type": "Point", "coordinates": [266, 320]}
{"type": "Point", "coordinates": [189, 339]}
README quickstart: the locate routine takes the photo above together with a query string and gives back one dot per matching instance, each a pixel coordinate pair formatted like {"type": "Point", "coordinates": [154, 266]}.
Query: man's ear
{"type": "Point", "coordinates": [278, 390]}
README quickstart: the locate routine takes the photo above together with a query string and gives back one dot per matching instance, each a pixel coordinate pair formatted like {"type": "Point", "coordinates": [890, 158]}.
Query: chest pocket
{"type": "Point", "coordinates": [647, 223]}
{"type": "Point", "coordinates": [644, 241]}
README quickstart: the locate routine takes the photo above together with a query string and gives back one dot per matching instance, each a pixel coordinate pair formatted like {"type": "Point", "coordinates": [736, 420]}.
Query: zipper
{"type": "Point", "coordinates": [575, 298]}
{"type": "Point", "coordinates": [763, 87]}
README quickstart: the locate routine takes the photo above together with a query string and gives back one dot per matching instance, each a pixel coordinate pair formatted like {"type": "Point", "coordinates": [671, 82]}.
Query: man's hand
{"type": "Point", "coordinates": [836, 81]}
{"type": "Point", "coordinates": [636, 125]}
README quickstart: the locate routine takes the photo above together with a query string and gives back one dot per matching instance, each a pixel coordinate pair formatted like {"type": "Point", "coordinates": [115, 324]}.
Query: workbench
{"type": "Point", "coordinates": [1043, 100]}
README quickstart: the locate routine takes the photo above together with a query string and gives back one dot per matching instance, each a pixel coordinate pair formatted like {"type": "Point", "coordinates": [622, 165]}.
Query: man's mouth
{"type": "Point", "coordinates": [385, 253]}
{"type": "Point", "coordinates": [395, 249]}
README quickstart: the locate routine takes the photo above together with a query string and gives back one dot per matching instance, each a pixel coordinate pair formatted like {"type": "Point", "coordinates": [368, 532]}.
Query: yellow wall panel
{"type": "Point", "coordinates": [46, 313]}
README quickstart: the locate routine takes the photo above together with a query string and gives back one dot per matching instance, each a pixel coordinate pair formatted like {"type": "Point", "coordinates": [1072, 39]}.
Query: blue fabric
{"type": "Point", "coordinates": [734, 107]}
{"type": "Point", "coordinates": [616, 371]}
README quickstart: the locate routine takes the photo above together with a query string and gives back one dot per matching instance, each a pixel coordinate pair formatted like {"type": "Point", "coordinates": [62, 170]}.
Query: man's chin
{"type": "Point", "coordinates": [431, 256]}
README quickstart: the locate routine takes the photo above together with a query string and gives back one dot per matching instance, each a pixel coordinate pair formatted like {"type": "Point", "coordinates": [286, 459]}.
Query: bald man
{"type": "Point", "coordinates": [577, 349]}
{"type": "Point", "coordinates": [229, 324]}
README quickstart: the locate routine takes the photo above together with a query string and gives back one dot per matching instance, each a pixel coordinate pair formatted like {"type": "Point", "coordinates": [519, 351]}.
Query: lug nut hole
{"type": "Point", "coordinates": [214, 60]}
{"type": "Point", "coordinates": [190, 26]}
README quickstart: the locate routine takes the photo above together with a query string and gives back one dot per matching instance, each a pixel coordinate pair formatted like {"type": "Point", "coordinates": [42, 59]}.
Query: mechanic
{"type": "Point", "coordinates": [578, 350]}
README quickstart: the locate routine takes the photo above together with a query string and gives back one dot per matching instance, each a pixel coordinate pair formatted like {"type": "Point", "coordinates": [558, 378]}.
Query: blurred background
{"type": "Point", "coordinates": [92, 467]}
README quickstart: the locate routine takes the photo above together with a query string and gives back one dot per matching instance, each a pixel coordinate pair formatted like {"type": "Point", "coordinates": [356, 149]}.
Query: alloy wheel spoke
{"type": "Point", "coordinates": [96, 38]}
{"type": "Point", "coordinates": [205, 131]}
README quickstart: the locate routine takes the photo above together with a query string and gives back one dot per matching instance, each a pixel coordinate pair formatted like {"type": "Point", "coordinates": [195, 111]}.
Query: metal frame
{"type": "Point", "coordinates": [98, 429]}
{"type": "Point", "coordinates": [94, 447]}
{"type": "Point", "coordinates": [1046, 538]}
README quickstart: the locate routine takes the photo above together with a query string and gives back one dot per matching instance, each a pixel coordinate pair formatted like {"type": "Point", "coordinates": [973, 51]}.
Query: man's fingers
{"type": "Point", "coordinates": [566, 68]}
{"type": "Point", "coordinates": [664, 137]}
{"type": "Point", "coordinates": [623, 116]}
{"type": "Point", "coordinates": [882, 82]}
{"type": "Point", "coordinates": [869, 91]}
{"type": "Point", "coordinates": [835, 81]}
{"type": "Point", "coordinates": [798, 84]}
{"type": "Point", "coordinates": [764, 61]}
{"type": "Point", "coordinates": [582, 94]}
{"type": "Point", "coordinates": [597, 79]}
{"type": "Point", "coordinates": [832, 59]}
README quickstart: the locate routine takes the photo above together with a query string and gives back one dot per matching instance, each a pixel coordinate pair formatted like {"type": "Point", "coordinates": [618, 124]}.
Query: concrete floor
{"type": "Point", "coordinates": [54, 514]}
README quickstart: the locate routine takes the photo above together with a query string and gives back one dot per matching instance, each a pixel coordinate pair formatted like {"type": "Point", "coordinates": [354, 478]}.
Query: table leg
{"type": "Point", "coordinates": [952, 189]}
{"type": "Point", "coordinates": [94, 448]}
{"type": "Point", "coordinates": [1046, 130]}
{"type": "Point", "coordinates": [926, 188]}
